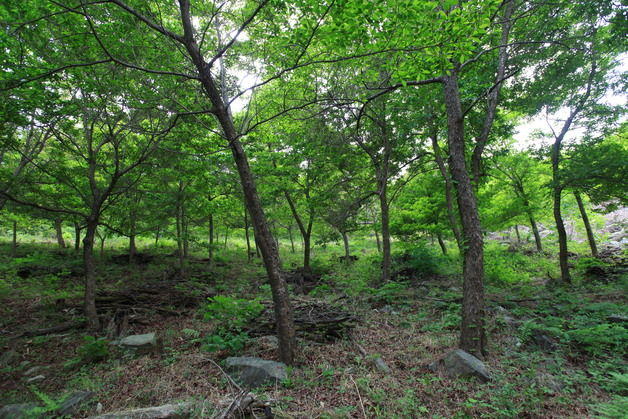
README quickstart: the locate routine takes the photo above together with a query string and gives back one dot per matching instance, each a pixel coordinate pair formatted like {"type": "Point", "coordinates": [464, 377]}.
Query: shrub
{"type": "Point", "coordinates": [231, 314]}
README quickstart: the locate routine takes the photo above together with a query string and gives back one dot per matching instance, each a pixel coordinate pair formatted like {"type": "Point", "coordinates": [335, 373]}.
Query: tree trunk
{"type": "Point", "coordinates": [384, 208]}
{"type": "Point", "coordinates": [517, 233]}
{"type": "Point", "coordinates": [59, 233]}
{"type": "Point", "coordinates": [535, 231]}
{"type": "Point", "coordinates": [449, 191]}
{"type": "Point", "coordinates": [157, 236]}
{"type": "Point", "coordinates": [246, 235]}
{"type": "Point", "coordinates": [226, 237]}
{"type": "Point", "coordinates": [291, 239]}
{"type": "Point", "coordinates": [345, 240]}
{"type": "Point", "coordinates": [268, 248]}
{"type": "Point", "coordinates": [306, 231]}
{"type": "Point", "coordinates": [378, 241]}
{"type": "Point", "coordinates": [472, 334]}
{"type": "Point", "coordinates": [210, 237]}
{"type": "Point", "coordinates": [558, 217]}
{"type": "Point", "coordinates": [179, 227]}
{"type": "Point", "coordinates": [186, 237]}
{"type": "Point", "coordinates": [441, 243]}
{"type": "Point", "coordinates": [14, 240]}
{"type": "Point", "coordinates": [77, 236]}
{"type": "Point", "coordinates": [90, 274]}
{"type": "Point", "coordinates": [587, 224]}
{"type": "Point", "coordinates": [132, 247]}
{"type": "Point", "coordinates": [102, 246]}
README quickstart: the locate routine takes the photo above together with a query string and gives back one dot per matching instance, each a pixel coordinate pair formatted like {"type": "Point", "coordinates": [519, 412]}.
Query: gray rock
{"type": "Point", "coordinates": [253, 372]}
{"type": "Point", "coordinates": [167, 411]}
{"type": "Point", "coordinates": [35, 379]}
{"type": "Point", "coordinates": [549, 382]}
{"type": "Point", "coordinates": [17, 411]}
{"type": "Point", "coordinates": [8, 358]}
{"type": "Point", "coordinates": [381, 365]}
{"type": "Point", "coordinates": [543, 341]}
{"type": "Point", "coordinates": [459, 363]}
{"type": "Point", "coordinates": [141, 344]}
{"type": "Point", "coordinates": [72, 403]}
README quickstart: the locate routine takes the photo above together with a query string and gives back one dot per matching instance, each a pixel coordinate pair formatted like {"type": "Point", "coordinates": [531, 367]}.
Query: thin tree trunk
{"type": "Point", "coordinates": [345, 240]}
{"type": "Point", "coordinates": [102, 246]}
{"type": "Point", "coordinates": [226, 237]}
{"type": "Point", "coordinates": [291, 239]}
{"type": "Point", "coordinates": [179, 227]}
{"type": "Point", "coordinates": [384, 208]}
{"type": "Point", "coordinates": [157, 235]}
{"type": "Point", "coordinates": [246, 235]}
{"type": "Point", "coordinates": [306, 231]}
{"type": "Point", "coordinates": [77, 236]}
{"type": "Point", "coordinates": [587, 224]}
{"type": "Point", "coordinates": [210, 237]}
{"type": "Point", "coordinates": [185, 225]}
{"type": "Point", "coordinates": [449, 191]}
{"type": "Point", "coordinates": [441, 243]}
{"type": "Point", "coordinates": [14, 240]}
{"type": "Point", "coordinates": [59, 233]}
{"type": "Point", "coordinates": [472, 334]}
{"type": "Point", "coordinates": [378, 241]}
{"type": "Point", "coordinates": [535, 231]}
{"type": "Point", "coordinates": [517, 233]}
{"type": "Point", "coordinates": [90, 274]}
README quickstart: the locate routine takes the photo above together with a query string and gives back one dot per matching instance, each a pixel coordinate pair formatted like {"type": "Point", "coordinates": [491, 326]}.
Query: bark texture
{"type": "Point", "coordinates": [472, 335]}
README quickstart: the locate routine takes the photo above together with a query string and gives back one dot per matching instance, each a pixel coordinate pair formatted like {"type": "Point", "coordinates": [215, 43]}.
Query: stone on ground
{"type": "Point", "coordinates": [253, 372]}
{"type": "Point", "coordinates": [141, 344]}
{"type": "Point", "coordinates": [459, 363]}
{"type": "Point", "coordinates": [72, 403]}
{"type": "Point", "coordinates": [167, 411]}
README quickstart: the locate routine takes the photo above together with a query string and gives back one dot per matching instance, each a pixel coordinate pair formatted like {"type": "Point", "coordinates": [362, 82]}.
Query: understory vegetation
{"type": "Point", "coordinates": [554, 352]}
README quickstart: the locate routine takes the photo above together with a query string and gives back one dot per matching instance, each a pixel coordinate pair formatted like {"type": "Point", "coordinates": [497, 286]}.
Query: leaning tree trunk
{"type": "Point", "coordinates": [59, 233]}
{"type": "Point", "coordinates": [292, 250]}
{"type": "Point", "coordinates": [89, 263]}
{"type": "Point", "coordinates": [441, 243]}
{"type": "Point", "coordinates": [472, 334]}
{"type": "Point", "coordinates": [77, 236]}
{"type": "Point", "coordinates": [587, 224]}
{"type": "Point", "coordinates": [535, 231]}
{"type": "Point", "coordinates": [268, 248]}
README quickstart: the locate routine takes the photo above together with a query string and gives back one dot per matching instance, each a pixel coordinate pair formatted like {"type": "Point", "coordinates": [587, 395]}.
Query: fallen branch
{"type": "Point", "coordinates": [55, 329]}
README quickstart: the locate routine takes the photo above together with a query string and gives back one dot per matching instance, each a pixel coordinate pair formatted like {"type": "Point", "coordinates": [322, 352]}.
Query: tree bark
{"type": "Point", "coordinates": [535, 231]}
{"type": "Point", "coordinates": [77, 236]}
{"type": "Point", "coordinates": [345, 240]}
{"type": "Point", "coordinates": [449, 191]}
{"type": "Point", "coordinates": [379, 243]}
{"type": "Point", "coordinates": [246, 235]}
{"type": "Point", "coordinates": [557, 190]}
{"type": "Point", "coordinates": [292, 250]}
{"type": "Point", "coordinates": [306, 231]}
{"type": "Point", "coordinates": [587, 224]}
{"type": "Point", "coordinates": [157, 236]}
{"type": "Point", "coordinates": [59, 233]}
{"type": "Point", "coordinates": [441, 243]}
{"type": "Point", "coordinates": [90, 273]}
{"type": "Point", "coordinates": [472, 335]}
{"type": "Point", "coordinates": [384, 208]}
{"type": "Point", "coordinates": [270, 253]}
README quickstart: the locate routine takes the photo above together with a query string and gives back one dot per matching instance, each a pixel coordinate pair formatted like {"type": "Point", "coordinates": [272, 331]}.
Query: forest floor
{"type": "Point", "coordinates": [558, 353]}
